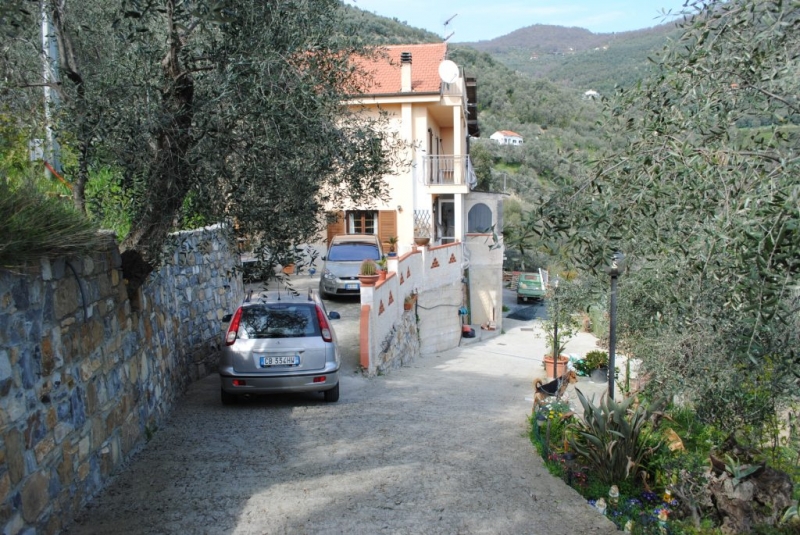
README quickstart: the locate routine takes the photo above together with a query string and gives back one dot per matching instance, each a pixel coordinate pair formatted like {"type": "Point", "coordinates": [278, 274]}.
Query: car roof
{"type": "Point", "coordinates": [355, 238]}
{"type": "Point", "coordinates": [281, 296]}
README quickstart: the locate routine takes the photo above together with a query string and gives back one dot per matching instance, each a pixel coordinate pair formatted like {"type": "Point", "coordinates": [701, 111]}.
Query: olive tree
{"type": "Point", "coordinates": [706, 209]}
{"type": "Point", "coordinates": [224, 110]}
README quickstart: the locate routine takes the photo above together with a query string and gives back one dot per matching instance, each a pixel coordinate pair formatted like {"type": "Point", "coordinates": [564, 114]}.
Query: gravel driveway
{"type": "Point", "coordinates": [438, 447]}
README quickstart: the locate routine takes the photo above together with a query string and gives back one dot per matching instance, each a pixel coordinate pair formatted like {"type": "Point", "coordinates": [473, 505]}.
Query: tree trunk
{"type": "Point", "coordinates": [169, 179]}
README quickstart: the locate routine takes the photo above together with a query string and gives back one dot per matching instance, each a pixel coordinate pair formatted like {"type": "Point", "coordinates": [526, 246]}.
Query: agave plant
{"type": "Point", "coordinates": [612, 437]}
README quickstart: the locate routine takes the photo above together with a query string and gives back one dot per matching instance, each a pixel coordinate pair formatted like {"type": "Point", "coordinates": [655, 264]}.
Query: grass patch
{"type": "Point", "coordinates": [35, 225]}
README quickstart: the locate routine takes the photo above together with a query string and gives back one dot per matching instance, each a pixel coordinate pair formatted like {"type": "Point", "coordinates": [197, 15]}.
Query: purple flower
{"type": "Point", "coordinates": [649, 496]}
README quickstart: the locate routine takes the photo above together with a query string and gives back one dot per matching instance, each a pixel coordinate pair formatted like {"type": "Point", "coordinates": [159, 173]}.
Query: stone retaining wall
{"type": "Point", "coordinates": [86, 378]}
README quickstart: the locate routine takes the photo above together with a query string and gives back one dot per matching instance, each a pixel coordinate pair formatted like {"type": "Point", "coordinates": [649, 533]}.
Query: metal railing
{"type": "Point", "coordinates": [449, 170]}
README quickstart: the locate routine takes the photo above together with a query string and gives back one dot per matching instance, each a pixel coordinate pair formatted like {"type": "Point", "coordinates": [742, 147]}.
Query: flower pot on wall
{"type": "Point", "coordinates": [382, 275]}
{"type": "Point", "coordinates": [368, 280]}
{"type": "Point", "coordinates": [422, 242]}
{"type": "Point", "coordinates": [562, 365]}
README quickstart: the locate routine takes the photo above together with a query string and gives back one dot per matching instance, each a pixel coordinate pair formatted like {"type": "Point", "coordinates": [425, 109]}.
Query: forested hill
{"type": "Point", "coordinates": [572, 57]}
{"type": "Point", "coordinates": [576, 57]}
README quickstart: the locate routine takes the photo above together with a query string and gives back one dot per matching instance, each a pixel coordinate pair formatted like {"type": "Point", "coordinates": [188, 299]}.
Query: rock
{"type": "Point", "coordinates": [755, 500]}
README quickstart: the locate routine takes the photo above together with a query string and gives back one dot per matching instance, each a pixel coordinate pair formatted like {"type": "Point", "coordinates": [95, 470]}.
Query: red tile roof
{"type": "Point", "coordinates": [385, 68]}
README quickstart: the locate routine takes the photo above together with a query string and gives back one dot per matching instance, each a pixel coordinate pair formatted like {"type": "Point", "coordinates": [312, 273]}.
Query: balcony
{"type": "Point", "coordinates": [448, 173]}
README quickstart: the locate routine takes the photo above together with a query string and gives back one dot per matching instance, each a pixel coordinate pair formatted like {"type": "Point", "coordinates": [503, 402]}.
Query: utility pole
{"type": "Point", "coordinates": [52, 154]}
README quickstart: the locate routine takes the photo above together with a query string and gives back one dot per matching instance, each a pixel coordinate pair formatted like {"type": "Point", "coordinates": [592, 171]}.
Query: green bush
{"type": "Point", "coordinates": [596, 359]}
{"type": "Point", "coordinates": [612, 438]}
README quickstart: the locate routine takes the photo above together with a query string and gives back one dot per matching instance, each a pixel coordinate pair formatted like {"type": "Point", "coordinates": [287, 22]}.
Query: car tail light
{"type": "Point", "coordinates": [324, 326]}
{"type": "Point", "coordinates": [320, 379]}
{"type": "Point", "coordinates": [230, 336]}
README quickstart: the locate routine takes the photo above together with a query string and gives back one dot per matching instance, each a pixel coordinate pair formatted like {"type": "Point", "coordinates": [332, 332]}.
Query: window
{"type": "Point", "coordinates": [361, 222]}
{"type": "Point", "coordinates": [479, 219]}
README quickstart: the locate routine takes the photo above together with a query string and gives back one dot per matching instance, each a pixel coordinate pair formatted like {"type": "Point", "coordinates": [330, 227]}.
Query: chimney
{"type": "Point", "coordinates": [405, 72]}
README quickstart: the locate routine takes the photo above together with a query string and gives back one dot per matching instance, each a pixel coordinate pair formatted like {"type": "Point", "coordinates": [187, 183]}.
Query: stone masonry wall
{"type": "Point", "coordinates": [401, 344]}
{"type": "Point", "coordinates": [86, 378]}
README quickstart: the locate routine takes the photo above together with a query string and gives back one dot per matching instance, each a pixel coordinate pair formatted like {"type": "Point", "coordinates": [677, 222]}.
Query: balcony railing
{"type": "Point", "coordinates": [449, 170]}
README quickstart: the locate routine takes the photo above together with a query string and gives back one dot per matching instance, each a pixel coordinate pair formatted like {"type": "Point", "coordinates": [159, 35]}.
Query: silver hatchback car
{"type": "Point", "coordinates": [279, 343]}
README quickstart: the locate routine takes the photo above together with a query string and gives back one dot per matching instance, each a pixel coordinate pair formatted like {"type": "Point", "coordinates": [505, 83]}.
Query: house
{"type": "Point", "coordinates": [432, 107]}
{"type": "Point", "coordinates": [507, 137]}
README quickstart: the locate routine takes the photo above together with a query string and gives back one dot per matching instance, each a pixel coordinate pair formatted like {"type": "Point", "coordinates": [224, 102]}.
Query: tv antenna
{"type": "Point", "coordinates": [444, 31]}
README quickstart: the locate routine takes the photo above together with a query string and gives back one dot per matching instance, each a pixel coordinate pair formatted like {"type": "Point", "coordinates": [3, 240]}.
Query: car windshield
{"type": "Point", "coordinates": [353, 252]}
{"type": "Point", "coordinates": [278, 321]}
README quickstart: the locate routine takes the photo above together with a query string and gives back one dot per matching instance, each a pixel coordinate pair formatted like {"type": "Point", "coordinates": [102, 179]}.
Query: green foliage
{"type": "Point", "coordinates": [107, 201]}
{"type": "Point", "coordinates": [706, 213]}
{"type": "Point", "coordinates": [596, 359]}
{"type": "Point", "coordinates": [35, 226]}
{"type": "Point", "coordinates": [207, 111]}
{"type": "Point", "coordinates": [613, 437]}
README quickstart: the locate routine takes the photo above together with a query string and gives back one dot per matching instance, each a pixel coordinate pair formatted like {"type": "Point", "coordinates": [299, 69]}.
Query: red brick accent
{"type": "Point", "coordinates": [435, 263]}
{"type": "Point", "coordinates": [391, 298]}
{"type": "Point", "coordinates": [381, 308]}
{"type": "Point", "coordinates": [453, 259]}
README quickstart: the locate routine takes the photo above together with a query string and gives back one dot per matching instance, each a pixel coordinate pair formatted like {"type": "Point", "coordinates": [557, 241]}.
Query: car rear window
{"type": "Point", "coordinates": [278, 321]}
{"type": "Point", "coordinates": [353, 252]}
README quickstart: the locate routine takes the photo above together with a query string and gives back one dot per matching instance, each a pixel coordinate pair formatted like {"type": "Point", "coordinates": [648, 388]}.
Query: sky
{"type": "Point", "coordinates": [478, 20]}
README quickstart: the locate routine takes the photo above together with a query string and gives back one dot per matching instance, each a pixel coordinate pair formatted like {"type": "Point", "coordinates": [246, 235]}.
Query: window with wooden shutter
{"type": "Point", "coordinates": [361, 222]}
{"type": "Point", "coordinates": [387, 227]}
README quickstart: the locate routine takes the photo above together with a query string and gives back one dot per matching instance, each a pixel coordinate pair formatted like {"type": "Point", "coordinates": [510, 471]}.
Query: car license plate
{"type": "Point", "coordinates": [351, 286]}
{"type": "Point", "coordinates": [265, 362]}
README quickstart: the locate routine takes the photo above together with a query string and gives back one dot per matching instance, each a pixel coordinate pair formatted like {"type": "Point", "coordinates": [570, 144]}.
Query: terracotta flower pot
{"type": "Point", "coordinates": [368, 280]}
{"type": "Point", "coordinates": [562, 365]}
{"type": "Point", "coordinates": [422, 241]}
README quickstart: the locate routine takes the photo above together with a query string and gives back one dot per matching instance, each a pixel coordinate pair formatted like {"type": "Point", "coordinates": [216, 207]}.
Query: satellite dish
{"type": "Point", "coordinates": [448, 71]}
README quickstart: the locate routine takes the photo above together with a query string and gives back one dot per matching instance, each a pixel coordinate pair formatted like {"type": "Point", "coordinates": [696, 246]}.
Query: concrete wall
{"type": "Point", "coordinates": [435, 275]}
{"type": "Point", "coordinates": [85, 377]}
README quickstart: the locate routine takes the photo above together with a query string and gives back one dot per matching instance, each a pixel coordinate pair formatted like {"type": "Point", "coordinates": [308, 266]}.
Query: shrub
{"type": "Point", "coordinates": [612, 437]}
{"type": "Point", "coordinates": [596, 359]}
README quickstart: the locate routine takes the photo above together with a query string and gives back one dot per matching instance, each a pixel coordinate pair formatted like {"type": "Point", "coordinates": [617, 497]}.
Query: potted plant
{"type": "Point", "coordinates": [368, 273]}
{"type": "Point", "coordinates": [597, 364]}
{"type": "Point", "coordinates": [408, 302]}
{"type": "Point", "coordinates": [392, 246]}
{"type": "Point", "coordinates": [382, 270]}
{"type": "Point", "coordinates": [559, 327]}
{"type": "Point", "coordinates": [422, 227]}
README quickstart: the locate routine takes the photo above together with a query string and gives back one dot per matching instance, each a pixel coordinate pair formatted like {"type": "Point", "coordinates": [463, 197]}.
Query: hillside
{"type": "Point", "coordinates": [578, 58]}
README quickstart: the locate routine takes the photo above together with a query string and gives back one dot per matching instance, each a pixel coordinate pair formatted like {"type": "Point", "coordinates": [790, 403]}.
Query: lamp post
{"type": "Point", "coordinates": [555, 329]}
{"type": "Point", "coordinates": [616, 267]}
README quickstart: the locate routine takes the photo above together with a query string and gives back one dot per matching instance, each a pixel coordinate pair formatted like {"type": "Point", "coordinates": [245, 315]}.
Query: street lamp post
{"type": "Point", "coordinates": [617, 261]}
{"type": "Point", "coordinates": [555, 329]}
